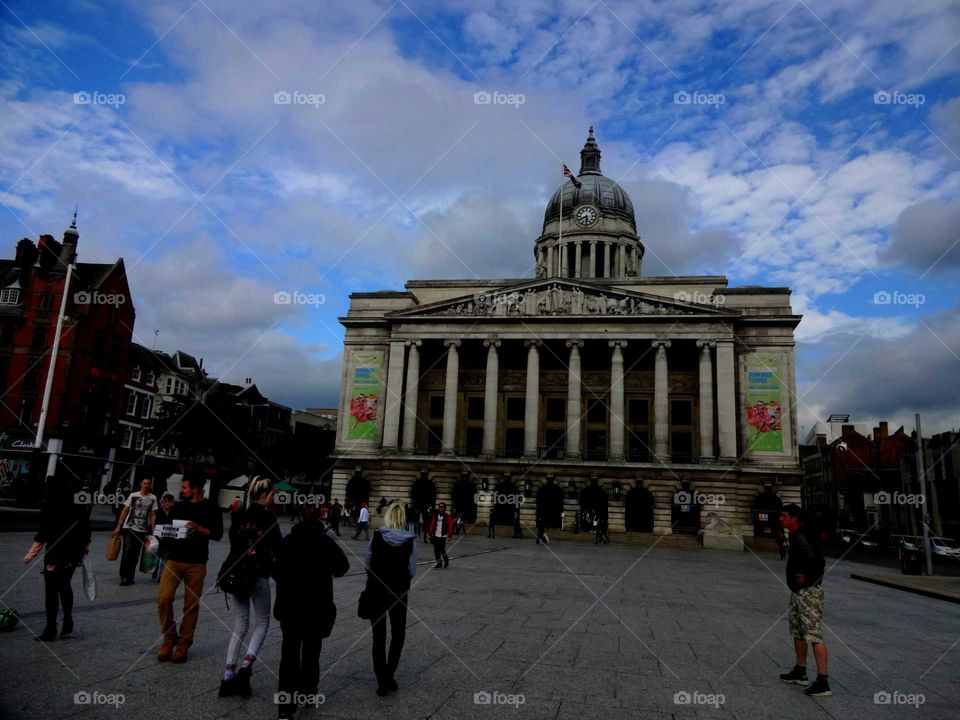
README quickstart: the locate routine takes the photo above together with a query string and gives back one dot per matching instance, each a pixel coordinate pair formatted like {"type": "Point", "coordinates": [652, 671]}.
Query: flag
{"type": "Point", "coordinates": [569, 173]}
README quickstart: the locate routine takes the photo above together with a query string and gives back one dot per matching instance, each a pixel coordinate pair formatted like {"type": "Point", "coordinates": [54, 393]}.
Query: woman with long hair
{"type": "Point", "coordinates": [65, 532]}
{"type": "Point", "coordinates": [391, 563]}
{"type": "Point", "coordinates": [255, 538]}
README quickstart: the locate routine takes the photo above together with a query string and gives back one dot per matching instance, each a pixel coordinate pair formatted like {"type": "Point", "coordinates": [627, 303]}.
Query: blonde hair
{"type": "Point", "coordinates": [395, 516]}
{"type": "Point", "coordinates": [259, 486]}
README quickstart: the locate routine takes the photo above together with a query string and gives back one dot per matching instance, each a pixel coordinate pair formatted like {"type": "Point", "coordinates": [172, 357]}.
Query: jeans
{"type": "Point", "coordinates": [384, 666]}
{"type": "Point", "coordinates": [362, 527]}
{"type": "Point", "coordinates": [260, 598]}
{"type": "Point", "coordinates": [192, 575]}
{"type": "Point", "coordinates": [299, 670]}
{"type": "Point", "coordinates": [58, 593]}
{"type": "Point", "coordinates": [132, 546]}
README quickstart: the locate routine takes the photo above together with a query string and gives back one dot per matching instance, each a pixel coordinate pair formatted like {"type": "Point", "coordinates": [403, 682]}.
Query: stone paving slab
{"type": "Point", "coordinates": [580, 631]}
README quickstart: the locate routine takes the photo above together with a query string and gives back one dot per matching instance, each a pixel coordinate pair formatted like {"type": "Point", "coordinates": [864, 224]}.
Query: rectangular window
{"type": "Point", "coordinates": [9, 296]}
{"type": "Point", "coordinates": [474, 438]}
{"type": "Point", "coordinates": [136, 374]}
{"type": "Point", "coordinates": [436, 407]}
{"type": "Point", "coordinates": [638, 411]}
{"type": "Point", "coordinates": [434, 439]}
{"type": "Point", "coordinates": [127, 437]}
{"type": "Point", "coordinates": [132, 404]}
{"type": "Point", "coordinates": [150, 377]}
{"type": "Point", "coordinates": [681, 412]}
{"type": "Point", "coordinates": [681, 444]}
{"type": "Point", "coordinates": [556, 409]}
{"type": "Point", "coordinates": [168, 389]}
{"type": "Point", "coordinates": [516, 408]}
{"type": "Point", "coordinates": [596, 411]}
{"type": "Point", "coordinates": [596, 444]}
{"type": "Point", "coordinates": [638, 445]}
{"type": "Point", "coordinates": [555, 440]}
{"type": "Point", "coordinates": [146, 407]}
{"type": "Point", "coordinates": [39, 336]}
{"type": "Point", "coordinates": [475, 408]}
{"type": "Point", "coordinates": [514, 442]}
{"type": "Point", "coordinates": [141, 439]}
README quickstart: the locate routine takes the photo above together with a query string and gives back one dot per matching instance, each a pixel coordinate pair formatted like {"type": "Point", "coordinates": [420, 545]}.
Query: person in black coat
{"type": "Point", "coordinates": [65, 532]}
{"type": "Point", "coordinates": [307, 562]}
{"type": "Point", "coordinates": [391, 564]}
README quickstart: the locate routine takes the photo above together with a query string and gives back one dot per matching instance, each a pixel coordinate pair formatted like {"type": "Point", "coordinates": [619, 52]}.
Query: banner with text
{"type": "Point", "coordinates": [365, 395]}
{"type": "Point", "coordinates": [764, 404]}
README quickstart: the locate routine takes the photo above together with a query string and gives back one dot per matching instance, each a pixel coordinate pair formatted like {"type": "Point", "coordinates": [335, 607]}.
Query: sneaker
{"type": "Point", "coordinates": [797, 676]}
{"type": "Point", "coordinates": [820, 688]}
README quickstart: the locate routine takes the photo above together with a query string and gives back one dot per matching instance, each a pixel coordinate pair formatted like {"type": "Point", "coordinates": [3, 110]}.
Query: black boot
{"type": "Point", "coordinates": [228, 688]}
{"type": "Point", "coordinates": [243, 681]}
{"type": "Point", "coordinates": [67, 626]}
{"type": "Point", "coordinates": [49, 633]}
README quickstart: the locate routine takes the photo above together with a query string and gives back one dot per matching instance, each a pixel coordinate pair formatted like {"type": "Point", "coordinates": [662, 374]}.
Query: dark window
{"type": "Point", "coordinates": [681, 445]}
{"type": "Point", "coordinates": [474, 440]}
{"type": "Point", "coordinates": [39, 336]}
{"type": "Point", "coordinates": [475, 408]}
{"type": "Point", "coordinates": [596, 444]}
{"type": "Point", "coordinates": [4, 369]}
{"type": "Point", "coordinates": [681, 412]}
{"type": "Point", "coordinates": [556, 409]}
{"type": "Point", "coordinates": [434, 439]}
{"type": "Point", "coordinates": [516, 408]}
{"type": "Point", "coordinates": [555, 440]}
{"type": "Point", "coordinates": [639, 412]}
{"type": "Point", "coordinates": [26, 411]}
{"type": "Point", "coordinates": [436, 406]}
{"type": "Point", "coordinates": [514, 442]}
{"type": "Point", "coordinates": [596, 412]}
{"type": "Point", "coordinates": [638, 445]}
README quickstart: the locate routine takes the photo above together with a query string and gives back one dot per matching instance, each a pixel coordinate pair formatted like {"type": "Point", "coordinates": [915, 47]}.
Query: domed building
{"type": "Point", "coordinates": [665, 405]}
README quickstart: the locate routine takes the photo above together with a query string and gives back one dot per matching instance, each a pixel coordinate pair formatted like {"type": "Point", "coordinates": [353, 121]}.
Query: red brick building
{"type": "Point", "coordinates": [87, 388]}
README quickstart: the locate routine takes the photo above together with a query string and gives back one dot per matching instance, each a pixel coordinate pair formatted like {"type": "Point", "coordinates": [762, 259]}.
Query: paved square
{"type": "Point", "coordinates": [580, 631]}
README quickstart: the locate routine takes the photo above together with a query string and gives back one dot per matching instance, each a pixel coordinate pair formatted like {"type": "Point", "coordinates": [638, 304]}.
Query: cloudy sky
{"type": "Point", "coordinates": [809, 144]}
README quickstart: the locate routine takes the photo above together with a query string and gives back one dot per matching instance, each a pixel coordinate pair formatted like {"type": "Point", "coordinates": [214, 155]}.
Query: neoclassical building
{"type": "Point", "coordinates": [666, 404]}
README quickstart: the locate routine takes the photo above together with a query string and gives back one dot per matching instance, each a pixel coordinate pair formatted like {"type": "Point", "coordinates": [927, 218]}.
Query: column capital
{"type": "Point", "coordinates": [660, 344]}
{"type": "Point", "coordinates": [451, 343]}
{"type": "Point", "coordinates": [413, 343]}
{"type": "Point", "coordinates": [532, 343]}
{"type": "Point", "coordinates": [617, 344]}
{"type": "Point", "coordinates": [574, 343]}
{"type": "Point", "coordinates": [492, 342]}
{"type": "Point", "coordinates": [706, 344]}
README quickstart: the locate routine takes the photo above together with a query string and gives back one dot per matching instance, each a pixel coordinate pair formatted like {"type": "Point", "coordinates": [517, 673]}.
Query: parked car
{"type": "Point", "coordinates": [945, 547]}
{"type": "Point", "coordinates": [849, 536]}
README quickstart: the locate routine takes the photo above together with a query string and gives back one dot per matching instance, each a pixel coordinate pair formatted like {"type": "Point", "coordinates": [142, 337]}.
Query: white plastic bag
{"type": "Point", "coordinates": [89, 579]}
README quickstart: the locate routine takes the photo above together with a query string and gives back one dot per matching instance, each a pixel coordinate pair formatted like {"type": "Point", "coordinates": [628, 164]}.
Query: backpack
{"type": "Point", "coordinates": [237, 575]}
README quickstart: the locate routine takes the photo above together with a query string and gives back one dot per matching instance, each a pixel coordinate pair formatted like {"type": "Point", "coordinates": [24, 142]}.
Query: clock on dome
{"type": "Point", "coordinates": [586, 215]}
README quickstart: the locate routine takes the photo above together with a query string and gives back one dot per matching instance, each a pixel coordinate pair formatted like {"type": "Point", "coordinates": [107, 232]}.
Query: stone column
{"type": "Point", "coordinates": [592, 270]}
{"type": "Point", "coordinates": [578, 260]}
{"type": "Point", "coordinates": [706, 400]}
{"type": "Point", "coordinates": [617, 425]}
{"type": "Point", "coordinates": [622, 261]}
{"type": "Point", "coordinates": [563, 259]}
{"type": "Point", "coordinates": [573, 399]}
{"type": "Point", "coordinates": [661, 407]}
{"type": "Point", "coordinates": [490, 398]}
{"type": "Point", "coordinates": [551, 272]}
{"type": "Point", "coordinates": [450, 397]}
{"type": "Point", "coordinates": [726, 400]}
{"type": "Point", "coordinates": [532, 409]}
{"type": "Point", "coordinates": [606, 259]}
{"type": "Point", "coordinates": [410, 397]}
{"type": "Point", "coordinates": [392, 402]}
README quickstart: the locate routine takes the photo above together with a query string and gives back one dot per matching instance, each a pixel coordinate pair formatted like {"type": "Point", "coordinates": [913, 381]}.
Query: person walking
{"type": "Point", "coordinates": [425, 523]}
{"type": "Point", "coordinates": [391, 564]}
{"type": "Point", "coordinates": [333, 516]}
{"type": "Point", "coordinates": [517, 530]}
{"type": "Point", "coordinates": [604, 526]}
{"type": "Point", "coordinates": [411, 517]}
{"type": "Point", "coordinates": [65, 533]}
{"type": "Point", "coordinates": [186, 563]}
{"type": "Point", "coordinates": [541, 531]}
{"type": "Point", "coordinates": [596, 528]}
{"type": "Point", "coordinates": [255, 539]}
{"type": "Point", "coordinates": [164, 517]}
{"type": "Point", "coordinates": [492, 523]}
{"type": "Point", "coordinates": [137, 520]}
{"type": "Point", "coordinates": [363, 523]}
{"type": "Point", "coordinates": [441, 529]}
{"type": "Point", "coordinates": [307, 561]}
{"type": "Point", "coordinates": [805, 566]}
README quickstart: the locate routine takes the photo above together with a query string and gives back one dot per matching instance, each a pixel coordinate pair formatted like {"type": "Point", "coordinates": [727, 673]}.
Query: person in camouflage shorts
{"type": "Point", "coordinates": [806, 614]}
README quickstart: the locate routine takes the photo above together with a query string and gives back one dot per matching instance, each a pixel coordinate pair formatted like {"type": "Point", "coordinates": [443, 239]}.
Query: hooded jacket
{"type": "Point", "coordinates": [307, 561]}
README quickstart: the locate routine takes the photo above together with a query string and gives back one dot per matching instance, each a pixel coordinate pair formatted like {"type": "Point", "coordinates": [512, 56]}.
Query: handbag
{"type": "Point", "coordinates": [236, 575]}
{"type": "Point", "coordinates": [113, 547]}
{"type": "Point", "coordinates": [89, 579]}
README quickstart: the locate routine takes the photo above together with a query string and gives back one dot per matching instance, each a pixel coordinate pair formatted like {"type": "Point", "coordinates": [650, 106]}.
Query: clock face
{"type": "Point", "coordinates": [586, 215]}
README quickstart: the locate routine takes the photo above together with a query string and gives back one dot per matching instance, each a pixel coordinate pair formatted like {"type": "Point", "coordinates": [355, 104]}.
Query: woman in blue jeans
{"type": "Point", "coordinates": [254, 540]}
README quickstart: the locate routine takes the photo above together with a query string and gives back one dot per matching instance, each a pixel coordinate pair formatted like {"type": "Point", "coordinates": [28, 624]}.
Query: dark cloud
{"type": "Point", "coordinates": [925, 237]}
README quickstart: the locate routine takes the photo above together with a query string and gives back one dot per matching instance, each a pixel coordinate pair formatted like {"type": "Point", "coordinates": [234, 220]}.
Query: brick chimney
{"type": "Point", "coordinates": [881, 432]}
{"type": "Point", "coordinates": [26, 253]}
{"type": "Point", "coordinates": [847, 430]}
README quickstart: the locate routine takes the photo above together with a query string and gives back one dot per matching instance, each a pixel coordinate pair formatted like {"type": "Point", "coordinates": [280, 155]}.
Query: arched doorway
{"type": "Point", "coordinates": [423, 493]}
{"type": "Point", "coordinates": [684, 512]}
{"type": "Point", "coordinates": [638, 510]}
{"type": "Point", "coordinates": [593, 500]}
{"type": "Point", "coordinates": [357, 490]}
{"type": "Point", "coordinates": [550, 505]}
{"type": "Point", "coordinates": [464, 497]}
{"type": "Point", "coordinates": [766, 514]}
{"type": "Point", "coordinates": [504, 510]}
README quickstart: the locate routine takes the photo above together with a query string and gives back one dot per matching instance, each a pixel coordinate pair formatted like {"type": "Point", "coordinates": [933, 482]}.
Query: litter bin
{"type": "Point", "coordinates": [910, 559]}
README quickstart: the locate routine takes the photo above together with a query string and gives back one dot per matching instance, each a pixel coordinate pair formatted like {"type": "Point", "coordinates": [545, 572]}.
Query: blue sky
{"type": "Point", "coordinates": [819, 149]}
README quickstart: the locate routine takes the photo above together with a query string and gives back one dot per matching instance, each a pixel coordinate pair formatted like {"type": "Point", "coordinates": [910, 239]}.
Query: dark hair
{"type": "Point", "coordinates": [166, 496]}
{"type": "Point", "coordinates": [194, 481]}
{"type": "Point", "coordinates": [793, 510]}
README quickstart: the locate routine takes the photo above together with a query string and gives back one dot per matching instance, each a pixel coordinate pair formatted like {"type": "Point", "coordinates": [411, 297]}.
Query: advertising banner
{"type": "Point", "coordinates": [764, 404]}
{"type": "Point", "coordinates": [365, 396]}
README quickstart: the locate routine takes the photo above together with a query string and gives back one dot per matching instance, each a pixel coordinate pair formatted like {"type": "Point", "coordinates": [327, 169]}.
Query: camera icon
{"type": "Point", "coordinates": [282, 298]}
{"type": "Point", "coordinates": [81, 98]}
{"type": "Point", "coordinates": [282, 698]}
{"type": "Point", "coordinates": [681, 98]}
{"type": "Point", "coordinates": [81, 298]}
{"type": "Point", "coordinates": [282, 497]}
{"type": "Point", "coordinates": [682, 497]}
{"type": "Point", "coordinates": [479, 498]}
{"type": "Point", "coordinates": [881, 498]}
{"type": "Point", "coordinates": [282, 98]}
{"type": "Point", "coordinates": [482, 698]}
{"type": "Point", "coordinates": [682, 697]}
{"type": "Point", "coordinates": [882, 97]}
{"type": "Point", "coordinates": [482, 98]}
{"type": "Point", "coordinates": [82, 697]}
{"type": "Point", "coordinates": [882, 698]}
{"type": "Point", "coordinates": [681, 296]}
{"type": "Point", "coordinates": [882, 297]}
{"type": "Point", "coordinates": [82, 498]}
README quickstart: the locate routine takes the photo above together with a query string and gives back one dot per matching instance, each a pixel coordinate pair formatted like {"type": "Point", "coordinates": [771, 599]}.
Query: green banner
{"type": "Point", "coordinates": [365, 395]}
{"type": "Point", "coordinates": [764, 405]}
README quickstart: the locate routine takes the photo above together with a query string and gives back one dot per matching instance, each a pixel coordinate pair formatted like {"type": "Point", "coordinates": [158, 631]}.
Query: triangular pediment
{"type": "Point", "coordinates": [555, 297]}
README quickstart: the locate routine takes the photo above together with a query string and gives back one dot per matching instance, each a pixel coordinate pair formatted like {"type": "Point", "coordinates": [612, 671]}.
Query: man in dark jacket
{"type": "Point", "coordinates": [805, 566]}
{"type": "Point", "coordinates": [333, 517]}
{"type": "Point", "coordinates": [308, 561]}
{"type": "Point", "coordinates": [441, 529]}
{"type": "Point", "coordinates": [187, 562]}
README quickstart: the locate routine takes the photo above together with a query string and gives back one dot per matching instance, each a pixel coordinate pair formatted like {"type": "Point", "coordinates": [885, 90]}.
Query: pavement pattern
{"type": "Point", "coordinates": [510, 630]}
